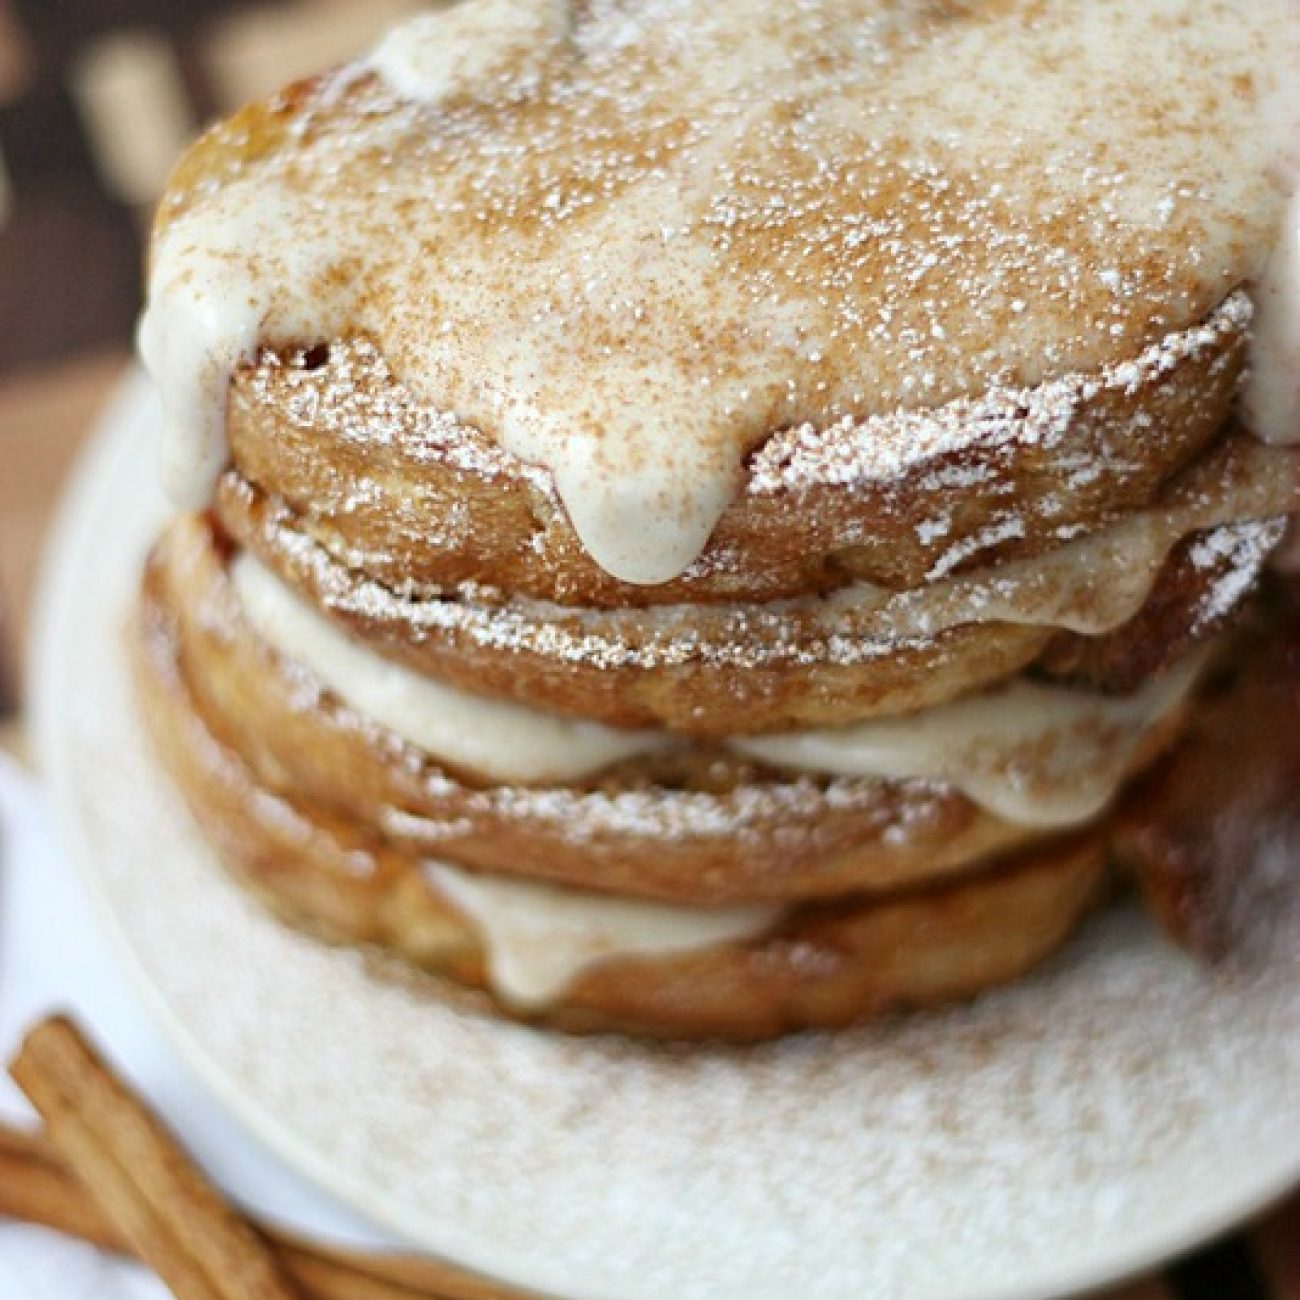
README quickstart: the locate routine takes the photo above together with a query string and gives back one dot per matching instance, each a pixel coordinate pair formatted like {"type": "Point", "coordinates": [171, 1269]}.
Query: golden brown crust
{"type": "Point", "coordinates": [370, 474]}
{"type": "Point", "coordinates": [822, 965]}
{"type": "Point", "coordinates": [232, 146]}
{"type": "Point", "coordinates": [615, 668]}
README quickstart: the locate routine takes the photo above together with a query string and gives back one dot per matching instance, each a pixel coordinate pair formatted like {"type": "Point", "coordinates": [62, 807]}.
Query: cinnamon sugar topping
{"type": "Point", "coordinates": [639, 247]}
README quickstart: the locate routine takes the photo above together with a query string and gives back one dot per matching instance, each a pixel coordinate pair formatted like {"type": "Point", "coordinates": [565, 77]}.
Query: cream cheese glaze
{"type": "Point", "coordinates": [672, 229]}
{"type": "Point", "coordinates": [1033, 754]}
{"type": "Point", "coordinates": [496, 739]}
{"type": "Point", "coordinates": [209, 307]}
{"type": "Point", "coordinates": [539, 938]}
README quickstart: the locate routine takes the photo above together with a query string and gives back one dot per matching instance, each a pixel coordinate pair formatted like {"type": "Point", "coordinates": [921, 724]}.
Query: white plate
{"type": "Point", "coordinates": [1052, 1137]}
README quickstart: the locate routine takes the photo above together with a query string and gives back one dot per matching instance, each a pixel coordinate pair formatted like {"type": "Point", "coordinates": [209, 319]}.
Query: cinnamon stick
{"type": "Point", "coordinates": [102, 1142]}
{"type": "Point", "coordinates": [35, 1188]}
{"type": "Point", "coordinates": [37, 1191]}
{"type": "Point", "coordinates": [146, 1186]}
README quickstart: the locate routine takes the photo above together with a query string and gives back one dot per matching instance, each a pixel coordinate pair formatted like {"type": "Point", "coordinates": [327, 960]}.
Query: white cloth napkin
{"type": "Point", "coordinates": [53, 956]}
{"type": "Point", "coordinates": [48, 952]}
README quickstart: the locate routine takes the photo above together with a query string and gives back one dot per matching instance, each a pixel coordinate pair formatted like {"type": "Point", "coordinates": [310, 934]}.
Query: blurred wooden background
{"type": "Point", "coordinates": [97, 97]}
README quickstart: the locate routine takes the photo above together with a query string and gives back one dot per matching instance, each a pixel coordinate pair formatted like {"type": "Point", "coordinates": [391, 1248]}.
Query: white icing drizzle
{"type": "Point", "coordinates": [493, 738]}
{"type": "Point", "coordinates": [1036, 755]}
{"type": "Point", "coordinates": [1033, 754]}
{"type": "Point", "coordinates": [224, 280]}
{"type": "Point", "coordinates": [632, 250]}
{"type": "Point", "coordinates": [472, 47]}
{"type": "Point", "coordinates": [539, 938]}
{"type": "Point", "coordinates": [1273, 388]}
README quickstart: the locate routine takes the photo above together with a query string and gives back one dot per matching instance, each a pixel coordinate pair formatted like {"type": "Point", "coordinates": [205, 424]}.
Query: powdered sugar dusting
{"type": "Point", "coordinates": [1238, 552]}
{"type": "Point", "coordinates": [362, 404]}
{"type": "Point", "coordinates": [1071, 589]}
{"type": "Point", "coordinates": [883, 446]}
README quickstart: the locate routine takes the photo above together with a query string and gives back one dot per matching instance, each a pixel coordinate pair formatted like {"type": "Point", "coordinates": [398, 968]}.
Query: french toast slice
{"type": "Point", "coordinates": [434, 501]}
{"type": "Point", "coordinates": [723, 670]}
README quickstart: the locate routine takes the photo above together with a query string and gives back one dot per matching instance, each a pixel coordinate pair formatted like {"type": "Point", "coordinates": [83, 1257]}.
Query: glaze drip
{"type": "Point", "coordinates": [226, 280]}
{"type": "Point", "coordinates": [1032, 754]}
{"type": "Point", "coordinates": [540, 938]}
